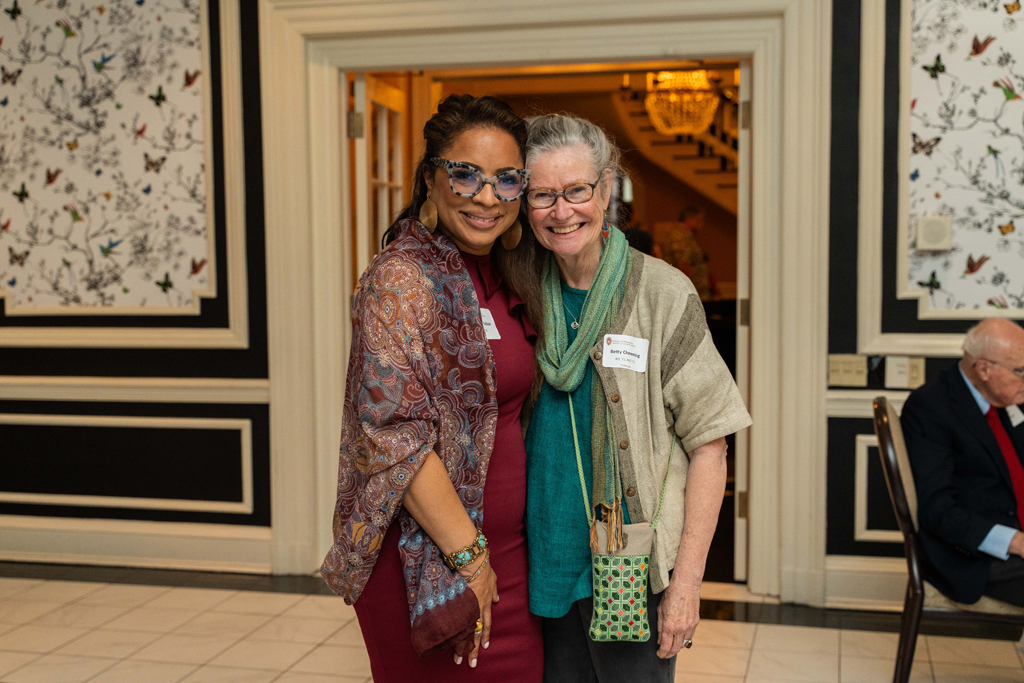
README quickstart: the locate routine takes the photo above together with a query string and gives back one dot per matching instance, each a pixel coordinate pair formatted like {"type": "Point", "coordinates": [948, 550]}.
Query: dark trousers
{"type": "Point", "coordinates": [1006, 582]}
{"type": "Point", "coordinates": [570, 656]}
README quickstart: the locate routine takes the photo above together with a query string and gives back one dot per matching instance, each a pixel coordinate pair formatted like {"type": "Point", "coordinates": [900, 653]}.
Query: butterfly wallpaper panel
{"type": "Point", "coordinates": [103, 157]}
{"type": "Point", "coordinates": [967, 154]}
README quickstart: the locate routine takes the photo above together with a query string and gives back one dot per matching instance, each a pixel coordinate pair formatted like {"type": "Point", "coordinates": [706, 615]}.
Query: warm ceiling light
{"type": "Point", "coordinates": [681, 102]}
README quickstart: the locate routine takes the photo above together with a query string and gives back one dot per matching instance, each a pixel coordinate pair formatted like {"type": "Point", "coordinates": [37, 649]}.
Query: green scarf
{"type": "Point", "coordinates": [564, 366]}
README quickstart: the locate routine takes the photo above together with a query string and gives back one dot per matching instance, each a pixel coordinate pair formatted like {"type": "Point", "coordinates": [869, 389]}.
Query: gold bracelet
{"type": "Point", "coordinates": [466, 556]}
{"type": "Point", "coordinates": [487, 558]}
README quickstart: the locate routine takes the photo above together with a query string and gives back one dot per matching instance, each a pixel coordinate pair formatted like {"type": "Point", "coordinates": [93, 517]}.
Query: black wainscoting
{"type": "Point", "coordinates": [137, 462]}
{"type": "Point", "coordinates": [842, 435]}
{"type": "Point", "coordinates": [844, 180]}
{"type": "Point", "coordinates": [175, 463]}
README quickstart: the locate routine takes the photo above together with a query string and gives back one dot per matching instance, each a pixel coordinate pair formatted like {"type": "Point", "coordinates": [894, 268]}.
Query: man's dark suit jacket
{"type": "Point", "coordinates": [963, 484]}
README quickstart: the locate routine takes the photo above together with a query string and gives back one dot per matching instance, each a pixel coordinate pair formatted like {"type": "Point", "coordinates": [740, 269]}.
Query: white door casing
{"type": "Point", "coordinates": [741, 487]}
{"type": "Point", "coordinates": [303, 48]}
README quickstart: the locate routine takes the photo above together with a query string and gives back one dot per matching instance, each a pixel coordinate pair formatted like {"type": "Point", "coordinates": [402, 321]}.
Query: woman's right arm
{"type": "Point", "coordinates": [432, 501]}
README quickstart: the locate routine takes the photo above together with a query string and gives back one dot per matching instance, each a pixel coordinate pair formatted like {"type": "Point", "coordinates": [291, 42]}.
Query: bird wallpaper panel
{"type": "Point", "coordinates": [103, 157]}
{"type": "Point", "coordinates": [967, 154]}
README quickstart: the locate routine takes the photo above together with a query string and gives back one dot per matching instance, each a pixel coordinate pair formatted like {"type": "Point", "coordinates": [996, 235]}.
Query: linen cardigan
{"type": "Point", "coordinates": [685, 399]}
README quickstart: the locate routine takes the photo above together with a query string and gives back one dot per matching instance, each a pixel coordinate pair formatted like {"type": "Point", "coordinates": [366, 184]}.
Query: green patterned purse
{"type": "Point", "coordinates": [620, 576]}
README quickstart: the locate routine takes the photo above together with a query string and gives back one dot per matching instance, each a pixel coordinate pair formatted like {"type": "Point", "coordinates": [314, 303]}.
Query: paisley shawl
{"type": "Point", "coordinates": [420, 378]}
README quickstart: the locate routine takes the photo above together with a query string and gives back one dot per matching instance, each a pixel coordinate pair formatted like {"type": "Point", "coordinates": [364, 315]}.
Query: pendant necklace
{"type": "Point", "coordinates": [575, 324]}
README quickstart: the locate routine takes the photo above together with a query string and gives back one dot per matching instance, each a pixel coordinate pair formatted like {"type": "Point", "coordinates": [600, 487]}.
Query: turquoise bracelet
{"type": "Point", "coordinates": [460, 558]}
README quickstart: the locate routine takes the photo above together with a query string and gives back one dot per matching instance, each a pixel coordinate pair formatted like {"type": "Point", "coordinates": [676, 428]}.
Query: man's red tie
{"type": "Point", "coordinates": [1012, 461]}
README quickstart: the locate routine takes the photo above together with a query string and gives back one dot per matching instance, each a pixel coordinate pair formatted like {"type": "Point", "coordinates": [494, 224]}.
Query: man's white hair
{"type": "Point", "coordinates": [981, 341]}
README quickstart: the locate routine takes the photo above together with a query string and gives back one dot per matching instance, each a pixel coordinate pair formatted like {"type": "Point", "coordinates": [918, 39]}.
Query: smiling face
{"type": "Point", "coordinates": [571, 231]}
{"type": "Point", "coordinates": [474, 223]}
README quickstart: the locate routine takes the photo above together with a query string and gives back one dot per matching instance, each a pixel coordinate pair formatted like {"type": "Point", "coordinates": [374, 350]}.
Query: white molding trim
{"type": "Point", "coordinates": [134, 389]}
{"type": "Point", "coordinates": [788, 42]}
{"type": "Point", "coordinates": [193, 307]}
{"type": "Point", "coordinates": [870, 276]}
{"type": "Point", "coordinates": [866, 583]}
{"type": "Point", "coordinates": [131, 543]}
{"type": "Point", "coordinates": [244, 427]}
{"type": "Point", "coordinates": [858, 403]}
{"type": "Point", "coordinates": [903, 288]}
{"type": "Point", "coordinates": [330, 212]}
{"type": "Point", "coordinates": [861, 532]}
{"type": "Point", "coordinates": [236, 335]}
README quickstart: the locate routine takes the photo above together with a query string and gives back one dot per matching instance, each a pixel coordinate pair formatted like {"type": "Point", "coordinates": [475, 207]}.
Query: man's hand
{"type": "Point", "coordinates": [1017, 544]}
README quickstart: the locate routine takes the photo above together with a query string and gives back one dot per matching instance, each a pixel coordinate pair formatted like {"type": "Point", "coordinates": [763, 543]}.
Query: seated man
{"type": "Point", "coordinates": [965, 437]}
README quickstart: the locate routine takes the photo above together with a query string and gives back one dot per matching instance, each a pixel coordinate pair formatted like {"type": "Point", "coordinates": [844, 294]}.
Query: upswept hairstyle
{"type": "Point", "coordinates": [550, 132]}
{"type": "Point", "coordinates": [455, 115]}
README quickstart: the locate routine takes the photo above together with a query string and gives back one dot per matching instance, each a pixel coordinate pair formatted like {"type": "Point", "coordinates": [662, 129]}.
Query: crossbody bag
{"type": "Point", "coordinates": [620, 577]}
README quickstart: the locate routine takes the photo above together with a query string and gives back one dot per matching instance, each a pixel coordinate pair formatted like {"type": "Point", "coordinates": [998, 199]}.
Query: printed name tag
{"type": "Point", "coordinates": [490, 329]}
{"type": "Point", "coordinates": [1015, 414]}
{"type": "Point", "coordinates": [622, 351]}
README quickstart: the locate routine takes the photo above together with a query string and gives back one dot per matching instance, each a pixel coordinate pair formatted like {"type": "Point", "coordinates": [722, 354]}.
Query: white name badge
{"type": "Point", "coordinates": [1015, 414]}
{"type": "Point", "coordinates": [490, 329]}
{"type": "Point", "coordinates": [622, 351]}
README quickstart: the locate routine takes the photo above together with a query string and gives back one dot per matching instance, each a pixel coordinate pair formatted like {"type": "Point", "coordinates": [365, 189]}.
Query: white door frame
{"type": "Point", "coordinates": [303, 49]}
{"type": "Point", "coordinates": [741, 456]}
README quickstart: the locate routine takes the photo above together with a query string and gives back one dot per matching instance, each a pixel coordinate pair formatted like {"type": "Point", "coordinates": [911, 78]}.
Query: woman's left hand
{"type": "Point", "coordinates": [678, 615]}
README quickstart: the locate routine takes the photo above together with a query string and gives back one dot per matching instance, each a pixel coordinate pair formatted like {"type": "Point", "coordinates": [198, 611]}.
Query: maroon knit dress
{"type": "Point", "coordinates": [516, 651]}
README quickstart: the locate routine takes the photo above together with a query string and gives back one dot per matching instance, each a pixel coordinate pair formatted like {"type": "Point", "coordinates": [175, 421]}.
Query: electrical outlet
{"type": "Point", "coordinates": [847, 370]}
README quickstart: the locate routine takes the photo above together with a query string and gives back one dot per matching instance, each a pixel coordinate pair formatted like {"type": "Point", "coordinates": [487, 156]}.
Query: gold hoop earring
{"type": "Point", "coordinates": [510, 238]}
{"type": "Point", "coordinates": [428, 215]}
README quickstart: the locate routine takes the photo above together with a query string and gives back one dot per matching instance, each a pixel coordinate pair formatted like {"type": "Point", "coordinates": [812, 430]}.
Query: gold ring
{"type": "Point", "coordinates": [479, 626]}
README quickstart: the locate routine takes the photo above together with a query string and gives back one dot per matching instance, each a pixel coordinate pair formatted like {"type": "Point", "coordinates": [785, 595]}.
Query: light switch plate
{"type": "Point", "coordinates": [897, 372]}
{"type": "Point", "coordinates": [934, 233]}
{"type": "Point", "coordinates": [915, 373]}
{"type": "Point", "coordinates": [903, 372]}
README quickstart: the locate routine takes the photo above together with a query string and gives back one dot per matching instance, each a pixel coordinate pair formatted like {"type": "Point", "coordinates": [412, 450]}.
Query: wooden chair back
{"type": "Point", "coordinates": [896, 466]}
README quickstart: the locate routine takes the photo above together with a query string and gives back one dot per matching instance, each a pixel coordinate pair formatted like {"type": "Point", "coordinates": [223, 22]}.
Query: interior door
{"type": "Point", "coordinates": [742, 455]}
{"type": "Point", "coordinates": [376, 123]}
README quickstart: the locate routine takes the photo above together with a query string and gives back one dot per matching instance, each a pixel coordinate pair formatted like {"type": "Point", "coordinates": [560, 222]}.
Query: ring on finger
{"type": "Point", "coordinates": [687, 643]}
{"type": "Point", "coordinates": [479, 626]}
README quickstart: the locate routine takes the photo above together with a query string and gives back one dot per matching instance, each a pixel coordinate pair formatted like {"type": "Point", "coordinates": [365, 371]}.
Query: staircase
{"type": "Point", "coordinates": [705, 162]}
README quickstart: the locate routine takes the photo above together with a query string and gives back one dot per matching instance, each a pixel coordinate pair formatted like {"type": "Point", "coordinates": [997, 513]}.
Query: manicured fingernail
{"type": "Point", "coordinates": [472, 664]}
{"type": "Point", "coordinates": [458, 660]}
{"type": "Point", "coordinates": [487, 644]}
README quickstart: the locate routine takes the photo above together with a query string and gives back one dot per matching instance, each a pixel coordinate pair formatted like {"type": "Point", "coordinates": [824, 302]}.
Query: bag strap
{"type": "Point", "coordinates": [579, 466]}
{"type": "Point", "coordinates": [583, 482]}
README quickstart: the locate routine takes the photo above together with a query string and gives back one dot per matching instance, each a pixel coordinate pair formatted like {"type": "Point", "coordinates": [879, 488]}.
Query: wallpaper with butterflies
{"type": "Point", "coordinates": [967, 151]}
{"type": "Point", "coordinates": [102, 173]}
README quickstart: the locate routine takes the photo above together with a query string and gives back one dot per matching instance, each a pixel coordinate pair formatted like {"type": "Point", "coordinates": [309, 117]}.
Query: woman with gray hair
{"type": "Point", "coordinates": [629, 369]}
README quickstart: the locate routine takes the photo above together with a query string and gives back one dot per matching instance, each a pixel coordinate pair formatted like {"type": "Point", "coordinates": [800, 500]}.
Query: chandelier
{"type": "Point", "coordinates": [681, 102]}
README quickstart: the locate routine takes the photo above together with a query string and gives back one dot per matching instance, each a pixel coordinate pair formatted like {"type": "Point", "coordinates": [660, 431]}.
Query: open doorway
{"type": "Point", "coordinates": [680, 203]}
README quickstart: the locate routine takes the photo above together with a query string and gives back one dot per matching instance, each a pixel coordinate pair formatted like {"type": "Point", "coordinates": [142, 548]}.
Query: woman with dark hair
{"type": "Point", "coordinates": [428, 528]}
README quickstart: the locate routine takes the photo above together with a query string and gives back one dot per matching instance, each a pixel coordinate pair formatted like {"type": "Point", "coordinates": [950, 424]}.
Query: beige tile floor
{"type": "Point", "coordinates": [71, 632]}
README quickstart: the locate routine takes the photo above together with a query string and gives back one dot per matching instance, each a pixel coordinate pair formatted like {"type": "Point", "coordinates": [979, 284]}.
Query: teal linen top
{"type": "Point", "coordinates": [556, 523]}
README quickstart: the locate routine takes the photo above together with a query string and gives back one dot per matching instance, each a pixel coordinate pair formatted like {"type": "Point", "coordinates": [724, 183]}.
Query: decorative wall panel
{"type": "Point", "coordinates": [861, 520]}
{"type": "Point", "coordinates": [204, 463]}
{"type": "Point", "coordinates": [105, 174]}
{"type": "Point", "coordinates": [964, 157]}
{"type": "Point", "coordinates": [128, 462]}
